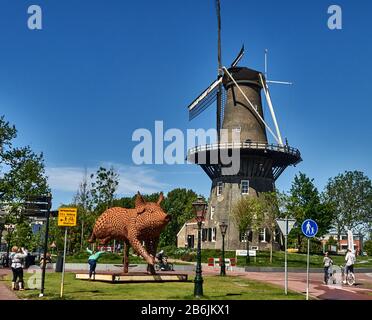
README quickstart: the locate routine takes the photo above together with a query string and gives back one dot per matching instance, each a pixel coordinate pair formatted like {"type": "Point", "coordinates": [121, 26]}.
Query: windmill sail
{"type": "Point", "coordinates": [204, 100]}
{"type": "Point", "coordinates": [238, 58]}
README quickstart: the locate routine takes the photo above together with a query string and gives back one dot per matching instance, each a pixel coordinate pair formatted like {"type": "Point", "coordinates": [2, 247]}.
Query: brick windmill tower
{"type": "Point", "coordinates": [258, 163]}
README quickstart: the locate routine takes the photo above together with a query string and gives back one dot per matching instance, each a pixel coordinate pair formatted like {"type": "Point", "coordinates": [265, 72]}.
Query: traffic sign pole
{"type": "Point", "coordinates": [286, 259]}
{"type": "Point", "coordinates": [63, 265]}
{"type": "Point", "coordinates": [309, 228]}
{"type": "Point", "coordinates": [45, 253]}
{"type": "Point", "coordinates": [308, 268]}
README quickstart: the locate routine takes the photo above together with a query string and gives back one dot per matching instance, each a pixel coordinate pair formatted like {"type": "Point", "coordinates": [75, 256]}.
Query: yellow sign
{"type": "Point", "coordinates": [67, 217]}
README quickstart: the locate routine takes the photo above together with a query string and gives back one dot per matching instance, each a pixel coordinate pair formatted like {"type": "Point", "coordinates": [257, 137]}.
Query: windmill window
{"type": "Point", "coordinates": [244, 187]}
{"type": "Point", "coordinates": [213, 234]}
{"type": "Point", "coordinates": [219, 188]}
{"type": "Point", "coordinates": [212, 212]}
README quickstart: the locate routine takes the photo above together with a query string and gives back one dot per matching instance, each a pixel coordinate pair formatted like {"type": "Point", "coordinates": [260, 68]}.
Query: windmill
{"type": "Point", "coordinates": [237, 91]}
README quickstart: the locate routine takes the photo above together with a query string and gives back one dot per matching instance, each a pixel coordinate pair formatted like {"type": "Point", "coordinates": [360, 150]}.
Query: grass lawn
{"type": "Point", "coordinates": [295, 260]}
{"type": "Point", "coordinates": [215, 288]}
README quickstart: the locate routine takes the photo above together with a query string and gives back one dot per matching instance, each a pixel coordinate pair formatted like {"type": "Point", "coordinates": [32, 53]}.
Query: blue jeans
{"type": "Point", "coordinates": [92, 267]}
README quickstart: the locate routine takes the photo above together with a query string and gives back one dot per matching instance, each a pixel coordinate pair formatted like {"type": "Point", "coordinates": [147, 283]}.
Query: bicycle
{"type": "Point", "coordinates": [349, 278]}
{"type": "Point", "coordinates": [164, 265]}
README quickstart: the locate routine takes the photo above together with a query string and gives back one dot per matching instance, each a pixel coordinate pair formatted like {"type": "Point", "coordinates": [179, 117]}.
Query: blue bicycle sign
{"type": "Point", "coordinates": [309, 228]}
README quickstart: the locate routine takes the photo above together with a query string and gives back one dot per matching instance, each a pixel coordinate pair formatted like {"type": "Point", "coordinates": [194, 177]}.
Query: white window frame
{"type": "Point", "coordinates": [213, 208]}
{"type": "Point", "coordinates": [241, 187]}
{"type": "Point", "coordinates": [263, 233]}
{"type": "Point", "coordinates": [214, 231]}
{"type": "Point", "coordinates": [219, 185]}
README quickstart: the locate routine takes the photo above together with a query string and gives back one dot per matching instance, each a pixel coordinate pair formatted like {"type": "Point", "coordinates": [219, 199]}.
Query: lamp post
{"type": "Point", "coordinates": [9, 228]}
{"type": "Point", "coordinates": [223, 227]}
{"type": "Point", "coordinates": [200, 208]}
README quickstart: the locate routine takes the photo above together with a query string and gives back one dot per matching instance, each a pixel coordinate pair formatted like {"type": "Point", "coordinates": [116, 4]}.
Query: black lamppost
{"type": "Point", "coordinates": [200, 208]}
{"type": "Point", "coordinates": [223, 227]}
{"type": "Point", "coordinates": [9, 228]}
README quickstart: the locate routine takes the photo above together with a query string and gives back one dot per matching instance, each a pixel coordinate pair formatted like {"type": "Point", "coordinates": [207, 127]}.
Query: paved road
{"type": "Point", "coordinates": [5, 292]}
{"type": "Point", "coordinates": [297, 282]}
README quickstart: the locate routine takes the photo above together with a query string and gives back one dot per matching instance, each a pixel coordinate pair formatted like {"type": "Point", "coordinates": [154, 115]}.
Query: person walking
{"type": "Point", "coordinates": [17, 256]}
{"type": "Point", "coordinates": [327, 263]}
{"type": "Point", "coordinates": [92, 261]}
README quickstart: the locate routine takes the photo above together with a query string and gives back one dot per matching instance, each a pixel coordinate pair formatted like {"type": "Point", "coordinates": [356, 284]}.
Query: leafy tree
{"type": "Point", "coordinates": [22, 174]}
{"type": "Point", "coordinates": [350, 196]}
{"type": "Point", "coordinates": [303, 203]}
{"type": "Point", "coordinates": [248, 216]}
{"type": "Point", "coordinates": [270, 204]}
{"type": "Point", "coordinates": [105, 184]}
{"type": "Point", "coordinates": [177, 203]}
{"type": "Point", "coordinates": [368, 247]}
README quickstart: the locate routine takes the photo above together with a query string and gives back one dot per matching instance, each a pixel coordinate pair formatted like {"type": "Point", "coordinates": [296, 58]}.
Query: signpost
{"type": "Point", "coordinates": [309, 229]}
{"type": "Point", "coordinates": [66, 218]}
{"type": "Point", "coordinates": [286, 225]}
{"type": "Point", "coordinates": [39, 206]}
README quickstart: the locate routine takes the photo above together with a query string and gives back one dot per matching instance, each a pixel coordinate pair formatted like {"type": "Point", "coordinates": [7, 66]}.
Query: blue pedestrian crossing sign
{"type": "Point", "coordinates": [309, 228]}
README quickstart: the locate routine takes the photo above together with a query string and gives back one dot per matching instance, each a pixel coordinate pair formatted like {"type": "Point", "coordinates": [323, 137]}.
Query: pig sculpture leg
{"type": "Point", "coordinates": [138, 247]}
{"type": "Point", "coordinates": [151, 246]}
{"type": "Point", "coordinates": [126, 256]}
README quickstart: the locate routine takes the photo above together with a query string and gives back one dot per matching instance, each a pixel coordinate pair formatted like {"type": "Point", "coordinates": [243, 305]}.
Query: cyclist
{"type": "Point", "coordinates": [160, 256]}
{"type": "Point", "coordinates": [350, 261]}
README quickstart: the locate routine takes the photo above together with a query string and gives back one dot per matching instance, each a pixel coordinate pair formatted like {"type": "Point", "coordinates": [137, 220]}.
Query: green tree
{"type": "Point", "coordinates": [368, 247]}
{"type": "Point", "coordinates": [304, 202]}
{"type": "Point", "coordinates": [350, 196]}
{"type": "Point", "coordinates": [177, 203]}
{"type": "Point", "coordinates": [22, 174]}
{"type": "Point", "coordinates": [103, 187]}
{"type": "Point", "coordinates": [248, 215]}
{"type": "Point", "coordinates": [270, 204]}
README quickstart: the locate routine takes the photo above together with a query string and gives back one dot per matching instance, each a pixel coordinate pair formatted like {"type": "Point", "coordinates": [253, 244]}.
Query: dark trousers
{"type": "Point", "coordinates": [17, 274]}
{"type": "Point", "coordinates": [92, 267]}
{"type": "Point", "coordinates": [326, 274]}
{"type": "Point", "coordinates": [349, 269]}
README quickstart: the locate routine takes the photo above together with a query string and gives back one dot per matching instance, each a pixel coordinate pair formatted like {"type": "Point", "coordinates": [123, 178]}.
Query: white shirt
{"type": "Point", "coordinates": [350, 258]}
{"type": "Point", "coordinates": [17, 259]}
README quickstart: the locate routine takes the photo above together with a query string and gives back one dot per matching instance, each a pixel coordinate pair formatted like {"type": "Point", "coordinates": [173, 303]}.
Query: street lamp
{"type": "Point", "coordinates": [200, 208]}
{"type": "Point", "coordinates": [9, 228]}
{"type": "Point", "coordinates": [223, 227]}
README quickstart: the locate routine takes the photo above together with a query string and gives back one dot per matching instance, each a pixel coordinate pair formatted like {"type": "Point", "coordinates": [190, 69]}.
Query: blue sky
{"type": "Point", "coordinates": [98, 70]}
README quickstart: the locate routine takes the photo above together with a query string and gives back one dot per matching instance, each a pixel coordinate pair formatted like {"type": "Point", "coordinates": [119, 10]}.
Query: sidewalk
{"type": "Point", "coordinates": [317, 290]}
{"type": "Point", "coordinates": [5, 292]}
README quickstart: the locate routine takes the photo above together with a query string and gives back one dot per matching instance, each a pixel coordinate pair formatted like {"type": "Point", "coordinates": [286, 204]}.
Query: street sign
{"type": "Point", "coordinates": [284, 227]}
{"type": "Point", "coordinates": [243, 253]}
{"type": "Point", "coordinates": [46, 199]}
{"type": "Point", "coordinates": [309, 228]}
{"type": "Point", "coordinates": [67, 217]}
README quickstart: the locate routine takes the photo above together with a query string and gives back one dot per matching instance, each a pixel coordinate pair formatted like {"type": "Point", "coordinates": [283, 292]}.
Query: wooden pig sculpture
{"type": "Point", "coordinates": [135, 227]}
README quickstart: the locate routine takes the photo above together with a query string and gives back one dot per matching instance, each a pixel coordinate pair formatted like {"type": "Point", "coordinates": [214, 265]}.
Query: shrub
{"type": "Point", "coordinates": [368, 247]}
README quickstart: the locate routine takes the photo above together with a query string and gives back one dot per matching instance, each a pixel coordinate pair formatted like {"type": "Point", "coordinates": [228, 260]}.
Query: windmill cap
{"type": "Point", "coordinates": [242, 74]}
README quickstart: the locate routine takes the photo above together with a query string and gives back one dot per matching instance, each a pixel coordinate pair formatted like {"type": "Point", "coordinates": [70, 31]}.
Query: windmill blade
{"type": "Point", "coordinates": [204, 100]}
{"type": "Point", "coordinates": [238, 58]}
{"type": "Point", "coordinates": [271, 107]}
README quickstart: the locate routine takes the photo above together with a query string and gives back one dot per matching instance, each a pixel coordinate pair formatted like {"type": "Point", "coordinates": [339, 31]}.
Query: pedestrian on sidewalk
{"type": "Point", "coordinates": [92, 260]}
{"type": "Point", "coordinates": [17, 256]}
{"type": "Point", "coordinates": [327, 262]}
